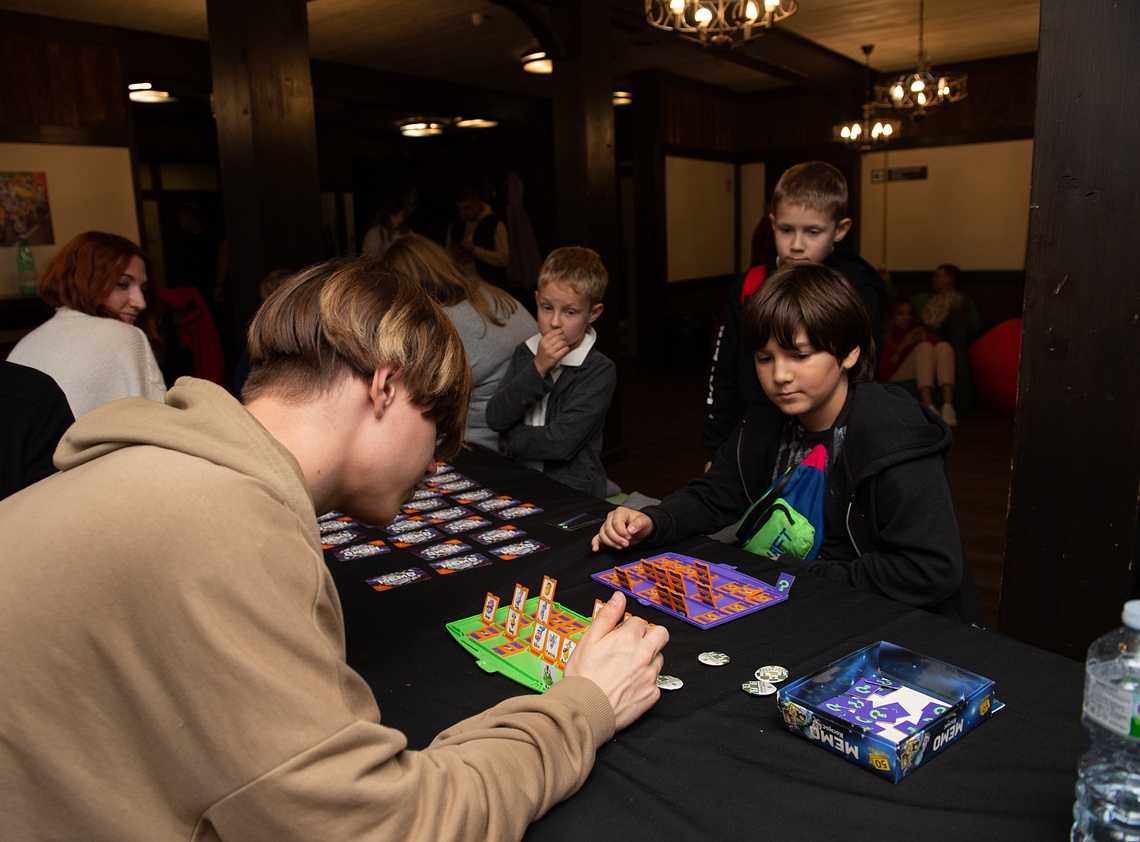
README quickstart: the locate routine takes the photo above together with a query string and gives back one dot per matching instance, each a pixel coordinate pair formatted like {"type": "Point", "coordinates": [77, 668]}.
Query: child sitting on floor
{"type": "Point", "coordinates": [912, 352]}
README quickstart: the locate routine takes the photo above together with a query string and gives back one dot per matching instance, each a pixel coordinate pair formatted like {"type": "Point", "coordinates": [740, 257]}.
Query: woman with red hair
{"type": "Point", "coordinates": [98, 345]}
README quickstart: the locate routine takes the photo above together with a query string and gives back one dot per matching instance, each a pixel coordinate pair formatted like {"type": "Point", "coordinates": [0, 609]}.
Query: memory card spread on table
{"type": "Point", "coordinates": [427, 494]}
{"type": "Point", "coordinates": [427, 505]}
{"type": "Point", "coordinates": [473, 496]}
{"type": "Point", "coordinates": [514, 512]}
{"type": "Point", "coordinates": [419, 536]}
{"type": "Point", "coordinates": [443, 515]}
{"type": "Point", "coordinates": [404, 523]}
{"type": "Point", "coordinates": [466, 524]}
{"type": "Point", "coordinates": [340, 538]}
{"type": "Point", "coordinates": [503, 533]}
{"type": "Point", "coordinates": [494, 504]}
{"type": "Point", "coordinates": [450, 547]}
{"type": "Point", "coordinates": [518, 548]}
{"type": "Point", "coordinates": [398, 579]}
{"type": "Point", "coordinates": [327, 527]}
{"type": "Point", "coordinates": [457, 484]}
{"type": "Point", "coordinates": [359, 551]}
{"type": "Point", "coordinates": [458, 563]}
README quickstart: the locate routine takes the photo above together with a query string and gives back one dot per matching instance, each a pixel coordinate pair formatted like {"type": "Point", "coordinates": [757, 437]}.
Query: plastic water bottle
{"type": "Point", "coordinates": [1107, 807]}
{"type": "Point", "coordinates": [25, 268]}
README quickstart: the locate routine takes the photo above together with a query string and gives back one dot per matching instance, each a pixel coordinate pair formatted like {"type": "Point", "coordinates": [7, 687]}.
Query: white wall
{"type": "Point", "coordinates": [971, 210]}
{"type": "Point", "coordinates": [700, 218]}
{"type": "Point", "coordinates": [89, 188]}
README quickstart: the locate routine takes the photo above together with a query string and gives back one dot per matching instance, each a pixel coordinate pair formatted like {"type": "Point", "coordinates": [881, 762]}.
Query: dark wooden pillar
{"type": "Point", "coordinates": [585, 162]}
{"type": "Point", "coordinates": [1076, 461]}
{"type": "Point", "coordinates": [267, 141]}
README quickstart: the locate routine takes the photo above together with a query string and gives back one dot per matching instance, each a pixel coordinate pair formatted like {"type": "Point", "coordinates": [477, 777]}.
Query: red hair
{"type": "Point", "coordinates": [84, 272]}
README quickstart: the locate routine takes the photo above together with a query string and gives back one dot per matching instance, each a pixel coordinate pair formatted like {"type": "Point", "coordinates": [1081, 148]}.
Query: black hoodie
{"type": "Point", "coordinates": [889, 522]}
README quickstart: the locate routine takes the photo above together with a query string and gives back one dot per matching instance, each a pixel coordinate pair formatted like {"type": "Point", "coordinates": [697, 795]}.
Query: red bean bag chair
{"type": "Point", "coordinates": [994, 360]}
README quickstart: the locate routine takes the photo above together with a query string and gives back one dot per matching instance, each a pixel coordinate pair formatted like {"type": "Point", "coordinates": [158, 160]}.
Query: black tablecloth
{"type": "Point", "coordinates": [709, 759]}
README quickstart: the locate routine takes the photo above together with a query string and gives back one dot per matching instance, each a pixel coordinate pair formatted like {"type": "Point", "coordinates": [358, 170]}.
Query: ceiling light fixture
{"type": "Point", "coordinates": [537, 62]}
{"type": "Point", "coordinates": [420, 129]}
{"type": "Point", "coordinates": [474, 123]}
{"type": "Point", "coordinates": [718, 23]}
{"type": "Point", "coordinates": [622, 98]}
{"type": "Point", "coordinates": [923, 89]}
{"type": "Point", "coordinates": [868, 132]}
{"type": "Point", "coordinates": [145, 92]}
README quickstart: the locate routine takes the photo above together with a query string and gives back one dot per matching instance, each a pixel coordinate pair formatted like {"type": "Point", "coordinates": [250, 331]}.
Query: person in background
{"type": "Point", "coordinates": [490, 322]}
{"type": "Point", "coordinates": [947, 311]}
{"type": "Point", "coordinates": [478, 241]}
{"type": "Point", "coordinates": [391, 224]}
{"type": "Point", "coordinates": [809, 218]}
{"type": "Point", "coordinates": [551, 406]}
{"type": "Point", "coordinates": [33, 415]}
{"type": "Point", "coordinates": [98, 345]}
{"type": "Point", "coordinates": [888, 513]}
{"type": "Point", "coordinates": [172, 650]}
{"type": "Point", "coordinates": [911, 352]}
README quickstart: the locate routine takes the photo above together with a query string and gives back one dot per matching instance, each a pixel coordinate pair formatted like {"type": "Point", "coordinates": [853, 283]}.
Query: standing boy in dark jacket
{"type": "Point", "coordinates": [889, 523]}
{"type": "Point", "coordinates": [809, 219]}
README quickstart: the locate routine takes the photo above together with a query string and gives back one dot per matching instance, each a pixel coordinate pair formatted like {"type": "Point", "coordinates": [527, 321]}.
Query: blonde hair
{"type": "Point", "coordinates": [577, 267]}
{"type": "Point", "coordinates": [813, 184]}
{"type": "Point", "coordinates": [425, 261]}
{"type": "Point", "coordinates": [353, 316]}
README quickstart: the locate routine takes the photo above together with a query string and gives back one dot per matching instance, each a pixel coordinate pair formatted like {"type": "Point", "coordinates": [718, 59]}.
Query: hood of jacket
{"type": "Point", "coordinates": [198, 418]}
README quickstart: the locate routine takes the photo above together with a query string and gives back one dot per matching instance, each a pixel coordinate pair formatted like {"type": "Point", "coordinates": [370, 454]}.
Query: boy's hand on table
{"type": "Point", "coordinates": [623, 528]}
{"type": "Point", "coordinates": [623, 659]}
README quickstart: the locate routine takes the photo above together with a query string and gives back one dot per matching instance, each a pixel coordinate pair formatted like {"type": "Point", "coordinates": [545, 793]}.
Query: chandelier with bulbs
{"type": "Point", "coordinates": [718, 23]}
{"type": "Point", "coordinates": [868, 131]}
{"type": "Point", "coordinates": [921, 89]}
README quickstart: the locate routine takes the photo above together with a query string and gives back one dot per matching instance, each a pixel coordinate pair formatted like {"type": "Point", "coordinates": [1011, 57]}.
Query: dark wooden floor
{"type": "Point", "coordinates": [661, 421]}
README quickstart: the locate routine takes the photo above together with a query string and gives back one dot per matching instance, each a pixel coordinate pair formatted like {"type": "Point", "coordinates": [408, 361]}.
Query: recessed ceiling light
{"type": "Point", "coordinates": [474, 123]}
{"type": "Point", "coordinates": [420, 129]}
{"type": "Point", "coordinates": [622, 98]}
{"type": "Point", "coordinates": [537, 62]}
{"type": "Point", "coordinates": [139, 86]}
{"type": "Point", "coordinates": [148, 95]}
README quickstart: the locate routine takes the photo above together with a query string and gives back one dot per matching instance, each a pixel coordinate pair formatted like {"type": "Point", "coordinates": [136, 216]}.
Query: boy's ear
{"type": "Point", "coordinates": [596, 311]}
{"type": "Point", "coordinates": [848, 362]}
{"type": "Point", "coordinates": [842, 228]}
{"type": "Point", "coordinates": [382, 389]}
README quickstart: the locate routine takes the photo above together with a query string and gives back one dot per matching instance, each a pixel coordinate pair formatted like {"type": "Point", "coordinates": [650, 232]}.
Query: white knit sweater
{"type": "Point", "coordinates": [93, 359]}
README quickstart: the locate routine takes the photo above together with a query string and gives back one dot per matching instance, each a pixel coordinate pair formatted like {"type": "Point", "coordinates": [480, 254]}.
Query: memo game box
{"type": "Point", "coordinates": [886, 708]}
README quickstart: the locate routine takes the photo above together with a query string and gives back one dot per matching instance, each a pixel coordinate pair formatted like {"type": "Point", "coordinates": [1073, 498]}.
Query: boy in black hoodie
{"type": "Point", "coordinates": [889, 523]}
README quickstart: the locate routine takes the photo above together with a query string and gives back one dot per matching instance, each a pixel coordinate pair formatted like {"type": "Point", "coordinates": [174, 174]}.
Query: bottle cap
{"type": "Point", "coordinates": [1131, 614]}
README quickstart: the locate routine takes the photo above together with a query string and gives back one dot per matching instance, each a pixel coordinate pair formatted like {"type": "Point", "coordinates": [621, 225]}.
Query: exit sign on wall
{"type": "Point", "coordinates": [878, 176]}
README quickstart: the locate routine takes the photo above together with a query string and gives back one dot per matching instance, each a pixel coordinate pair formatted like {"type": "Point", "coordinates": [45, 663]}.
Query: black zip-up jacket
{"type": "Point", "coordinates": [889, 522]}
{"type": "Point", "coordinates": [732, 381]}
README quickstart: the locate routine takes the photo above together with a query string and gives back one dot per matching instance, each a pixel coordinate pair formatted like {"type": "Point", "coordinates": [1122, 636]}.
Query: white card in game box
{"type": "Point", "coordinates": [503, 533]}
{"type": "Point", "coordinates": [359, 551]}
{"type": "Point", "coordinates": [450, 547]}
{"type": "Point", "coordinates": [495, 503]}
{"type": "Point", "coordinates": [473, 496]}
{"type": "Point", "coordinates": [514, 512]}
{"type": "Point", "coordinates": [464, 524]}
{"type": "Point", "coordinates": [398, 579]}
{"type": "Point", "coordinates": [518, 549]}
{"type": "Point", "coordinates": [420, 536]}
{"type": "Point", "coordinates": [459, 563]}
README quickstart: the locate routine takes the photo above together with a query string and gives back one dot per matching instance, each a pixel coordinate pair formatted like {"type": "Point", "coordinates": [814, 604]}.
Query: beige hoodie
{"type": "Point", "coordinates": [172, 659]}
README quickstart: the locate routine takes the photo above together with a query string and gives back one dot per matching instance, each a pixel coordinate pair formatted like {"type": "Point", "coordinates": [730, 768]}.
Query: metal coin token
{"type": "Point", "coordinates": [669, 682]}
{"type": "Point", "coordinates": [772, 673]}
{"type": "Point", "coordinates": [713, 659]}
{"type": "Point", "coordinates": [758, 688]}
